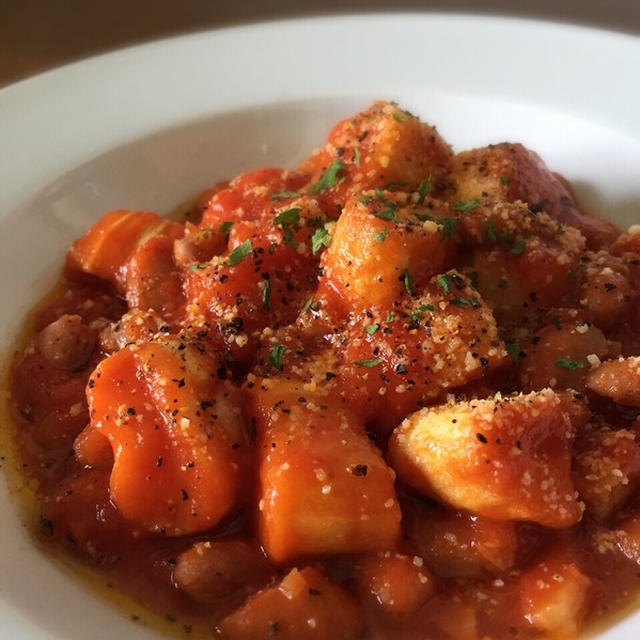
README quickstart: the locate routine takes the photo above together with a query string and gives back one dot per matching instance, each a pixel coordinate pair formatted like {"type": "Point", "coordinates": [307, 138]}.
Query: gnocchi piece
{"type": "Point", "coordinates": [617, 379]}
{"type": "Point", "coordinates": [555, 595]}
{"type": "Point", "coordinates": [107, 247]}
{"type": "Point", "coordinates": [382, 147]}
{"type": "Point", "coordinates": [561, 355]}
{"type": "Point", "coordinates": [179, 443]}
{"type": "Point", "coordinates": [512, 172]}
{"type": "Point", "coordinates": [305, 605]}
{"type": "Point", "coordinates": [606, 469]}
{"type": "Point", "coordinates": [383, 242]}
{"type": "Point", "coordinates": [396, 583]}
{"type": "Point", "coordinates": [507, 458]}
{"type": "Point", "coordinates": [324, 487]}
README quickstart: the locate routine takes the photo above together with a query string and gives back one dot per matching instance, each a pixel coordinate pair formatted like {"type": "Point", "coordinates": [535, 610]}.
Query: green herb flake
{"type": "Point", "coordinates": [424, 189]}
{"type": "Point", "coordinates": [427, 307]}
{"type": "Point", "coordinates": [321, 237]}
{"type": "Point", "coordinates": [394, 185]}
{"type": "Point", "coordinates": [491, 231]}
{"type": "Point", "coordinates": [284, 194]}
{"type": "Point", "coordinates": [356, 156]}
{"type": "Point", "coordinates": [565, 363]}
{"type": "Point", "coordinates": [368, 363]}
{"type": "Point", "coordinates": [240, 253]}
{"type": "Point", "coordinates": [385, 214]}
{"type": "Point", "coordinates": [366, 199]}
{"type": "Point", "coordinates": [444, 282]}
{"type": "Point", "coordinates": [379, 194]}
{"type": "Point", "coordinates": [449, 226]}
{"type": "Point", "coordinates": [275, 357]}
{"type": "Point", "coordinates": [397, 117]}
{"type": "Point", "coordinates": [559, 228]}
{"type": "Point", "coordinates": [473, 278]}
{"type": "Point", "coordinates": [513, 349]}
{"type": "Point", "coordinates": [225, 227]}
{"type": "Point", "coordinates": [196, 266]}
{"type": "Point", "coordinates": [206, 232]}
{"type": "Point", "coordinates": [463, 303]}
{"type": "Point", "coordinates": [466, 205]}
{"type": "Point", "coordinates": [288, 217]}
{"type": "Point", "coordinates": [381, 236]}
{"type": "Point", "coordinates": [390, 317]}
{"type": "Point", "coordinates": [371, 328]}
{"type": "Point", "coordinates": [505, 180]}
{"type": "Point", "coordinates": [518, 248]}
{"type": "Point", "coordinates": [328, 178]}
{"type": "Point", "coordinates": [408, 283]}
{"type": "Point", "coordinates": [503, 283]}
{"type": "Point", "coordinates": [266, 295]}
{"type": "Point", "coordinates": [309, 304]}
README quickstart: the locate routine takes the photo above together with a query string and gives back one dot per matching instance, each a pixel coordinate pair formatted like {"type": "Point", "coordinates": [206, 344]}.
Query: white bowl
{"type": "Point", "coordinates": [149, 126]}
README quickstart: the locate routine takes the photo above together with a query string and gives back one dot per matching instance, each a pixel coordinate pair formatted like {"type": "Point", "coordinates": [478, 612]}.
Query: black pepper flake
{"type": "Point", "coordinates": [131, 411]}
{"type": "Point", "coordinates": [609, 286]}
{"type": "Point", "coordinates": [329, 376]}
{"type": "Point", "coordinates": [274, 627]}
{"type": "Point", "coordinates": [235, 445]}
{"type": "Point", "coordinates": [401, 369]}
{"type": "Point", "coordinates": [185, 495]}
{"type": "Point", "coordinates": [91, 383]}
{"type": "Point", "coordinates": [191, 464]}
{"type": "Point", "coordinates": [223, 278]}
{"type": "Point", "coordinates": [222, 373]}
{"type": "Point", "coordinates": [159, 461]}
{"type": "Point", "coordinates": [482, 438]}
{"type": "Point", "coordinates": [206, 404]}
{"type": "Point", "coordinates": [178, 381]}
{"type": "Point", "coordinates": [46, 525]}
{"type": "Point", "coordinates": [314, 592]}
{"type": "Point", "coordinates": [457, 280]}
{"type": "Point", "coordinates": [484, 362]}
{"type": "Point", "coordinates": [359, 470]}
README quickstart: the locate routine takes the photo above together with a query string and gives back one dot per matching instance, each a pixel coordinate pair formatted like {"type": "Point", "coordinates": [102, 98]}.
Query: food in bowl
{"type": "Point", "coordinates": [390, 394]}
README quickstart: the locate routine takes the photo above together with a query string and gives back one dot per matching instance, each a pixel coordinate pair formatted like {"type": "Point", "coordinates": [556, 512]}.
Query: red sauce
{"type": "Point", "coordinates": [362, 399]}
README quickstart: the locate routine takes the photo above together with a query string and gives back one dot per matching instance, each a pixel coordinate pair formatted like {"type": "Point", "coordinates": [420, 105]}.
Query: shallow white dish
{"type": "Point", "coordinates": [149, 126]}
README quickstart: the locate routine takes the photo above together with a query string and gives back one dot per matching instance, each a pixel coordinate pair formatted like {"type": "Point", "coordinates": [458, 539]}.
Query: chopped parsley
{"type": "Point", "coordinates": [196, 266]}
{"type": "Point", "coordinates": [518, 248]}
{"type": "Point", "coordinates": [513, 349]}
{"type": "Point", "coordinates": [284, 194]}
{"type": "Point", "coordinates": [444, 282]}
{"type": "Point", "coordinates": [321, 237]}
{"type": "Point", "coordinates": [266, 295]}
{"type": "Point", "coordinates": [449, 226]}
{"type": "Point", "coordinates": [390, 317]}
{"type": "Point", "coordinates": [408, 283]}
{"type": "Point", "coordinates": [491, 231]}
{"type": "Point", "coordinates": [381, 236]}
{"type": "Point", "coordinates": [240, 253]}
{"type": "Point", "coordinates": [463, 303]}
{"type": "Point", "coordinates": [385, 214]}
{"type": "Point", "coordinates": [356, 156]}
{"type": "Point", "coordinates": [371, 328]}
{"type": "Point", "coordinates": [275, 357]}
{"type": "Point", "coordinates": [565, 363]}
{"type": "Point", "coordinates": [225, 227]}
{"type": "Point", "coordinates": [466, 205]}
{"type": "Point", "coordinates": [397, 117]}
{"type": "Point", "coordinates": [288, 217]}
{"type": "Point", "coordinates": [394, 185]}
{"type": "Point", "coordinates": [427, 307]}
{"type": "Point", "coordinates": [328, 178]}
{"type": "Point", "coordinates": [424, 189]}
{"type": "Point", "coordinates": [505, 180]}
{"type": "Point", "coordinates": [309, 304]}
{"type": "Point", "coordinates": [368, 363]}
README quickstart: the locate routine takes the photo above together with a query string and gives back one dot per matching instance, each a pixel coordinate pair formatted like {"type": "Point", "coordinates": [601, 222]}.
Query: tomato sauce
{"type": "Point", "coordinates": [391, 394]}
